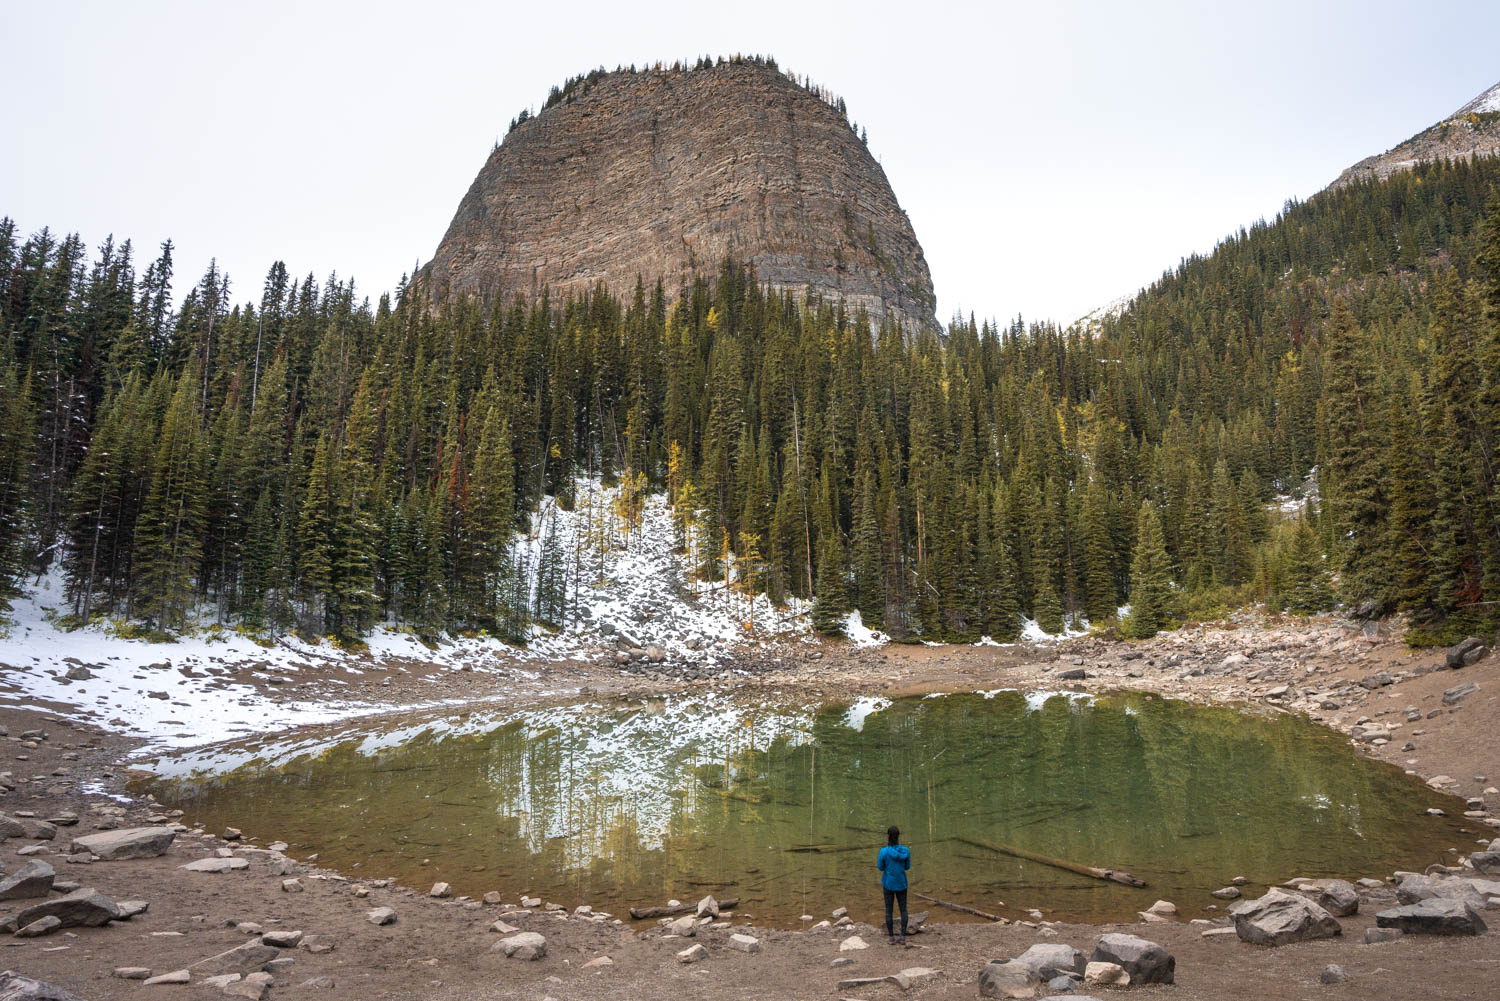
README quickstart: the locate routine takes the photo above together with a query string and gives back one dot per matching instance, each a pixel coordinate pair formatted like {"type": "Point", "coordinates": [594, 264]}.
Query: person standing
{"type": "Point", "coordinates": [893, 861]}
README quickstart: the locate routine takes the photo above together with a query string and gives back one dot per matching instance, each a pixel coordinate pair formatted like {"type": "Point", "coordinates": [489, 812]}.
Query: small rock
{"type": "Point", "coordinates": [175, 977]}
{"type": "Point", "coordinates": [1227, 893]}
{"type": "Point", "coordinates": [504, 928]}
{"type": "Point", "coordinates": [686, 926]}
{"type": "Point", "coordinates": [440, 890]}
{"type": "Point", "coordinates": [231, 834]}
{"type": "Point", "coordinates": [1458, 693]}
{"type": "Point", "coordinates": [216, 865]}
{"type": "Point", "coordinates": [1374, 936]}
{"type": "Point", "coordinates": [598, 962]}
{"type": "Point", "coordinates": [133, 972]}
{"type": "Point", "coordinates": [1106, 975]}
{"type": "Point", "coordinates": [852, 944]}
{"type": "Point", "coordinates": [1333, 973]}
{"type": "Point", "coordinates": [1434, 916]}
{"type": "Point", "coordinates": [1007, 980]}
{"type": "Point", "coordinates": [692, 954]}
{"type": "Point", "coordinates": [708, 907]}
{"type": "Point", "coordinates": [41, 926]}
{"type": "Point", "coordinates": [294, 885]}
{"type": "Point", "coordinates": [522, 945]}
{"type": "Point", "coordinates": [126, 843]}
{"type": "Point", "coordinates": [381, 916]}
{"type": "Point", "coordinates": [1337, 897]}
{"type": "Point", "coordinates": [34, 879]}
{"type": "Point", "coordinates": [744, 943]}
{"type": "Point", "coordinates": [492, 898]}
{"type": "Point", "coordinates": [282, 939]}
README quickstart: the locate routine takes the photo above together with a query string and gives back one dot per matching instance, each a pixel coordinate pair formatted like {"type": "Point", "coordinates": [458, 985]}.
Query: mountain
{"type": "Point", "coordinates": [665, 173]}
{"type": "Point", "coordinates": [1473, 130]}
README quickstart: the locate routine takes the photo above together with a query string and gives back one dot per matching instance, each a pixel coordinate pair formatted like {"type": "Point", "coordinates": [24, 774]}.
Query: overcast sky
{"type": "Point", "coordinates": [1052, 156]}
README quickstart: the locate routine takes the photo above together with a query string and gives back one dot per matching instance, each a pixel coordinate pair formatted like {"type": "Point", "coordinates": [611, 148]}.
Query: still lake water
{"type": "Point", "coordinates": [631, 803]}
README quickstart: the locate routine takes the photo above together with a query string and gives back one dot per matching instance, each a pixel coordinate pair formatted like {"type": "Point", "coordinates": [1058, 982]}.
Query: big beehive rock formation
{"type": "Point", "coordinates": [664, 174]}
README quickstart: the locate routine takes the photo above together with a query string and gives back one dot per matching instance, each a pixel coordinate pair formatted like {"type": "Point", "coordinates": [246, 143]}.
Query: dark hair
{"type": "Point", "coordinates": [892, 835]}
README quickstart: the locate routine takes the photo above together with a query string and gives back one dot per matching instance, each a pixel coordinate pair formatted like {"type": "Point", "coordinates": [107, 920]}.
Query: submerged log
{"type": "Point", "coordinates": [727, 904]}
{"type": "Point", "coordinates": [962, 908]}
{"type": "Point", "coordinates": [1113, 875]}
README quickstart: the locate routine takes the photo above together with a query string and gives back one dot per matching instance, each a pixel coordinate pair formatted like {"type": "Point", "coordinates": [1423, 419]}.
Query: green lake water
{"type": "Point", "coordinates": [785, 806]}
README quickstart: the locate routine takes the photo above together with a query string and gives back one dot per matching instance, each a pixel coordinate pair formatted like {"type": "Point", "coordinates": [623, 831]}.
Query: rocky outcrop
{"type": "Point", "coordinates": [1471, 131]}
{"type": "Point", "coordinates": [667, 173]}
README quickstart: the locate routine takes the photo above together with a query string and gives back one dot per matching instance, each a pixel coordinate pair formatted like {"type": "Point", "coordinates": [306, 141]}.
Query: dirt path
{"type": "Point", "coordinates": [441, 948]}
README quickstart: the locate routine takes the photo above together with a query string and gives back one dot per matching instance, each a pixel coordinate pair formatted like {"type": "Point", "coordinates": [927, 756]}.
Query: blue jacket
{"type": "Point", "coordinates": [893, 861]}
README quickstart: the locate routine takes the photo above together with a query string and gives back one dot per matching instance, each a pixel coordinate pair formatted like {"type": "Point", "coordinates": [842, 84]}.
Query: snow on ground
{"type": "Point", "coordinates": [859, 635]}
{"type": "Point", "coordinates": [173, 694]}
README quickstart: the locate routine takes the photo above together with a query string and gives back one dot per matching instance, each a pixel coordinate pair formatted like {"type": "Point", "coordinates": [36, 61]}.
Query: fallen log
{"type": "Point", "coordinates": [962, 908]}
{"type": "Point", "coordinates": [728, 904]}
{"type": "Point", "coordinates": [1113, 875]}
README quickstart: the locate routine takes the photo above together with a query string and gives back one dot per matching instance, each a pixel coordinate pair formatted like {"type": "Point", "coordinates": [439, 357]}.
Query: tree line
{"type": "Point", "coordinates": [314, 461]}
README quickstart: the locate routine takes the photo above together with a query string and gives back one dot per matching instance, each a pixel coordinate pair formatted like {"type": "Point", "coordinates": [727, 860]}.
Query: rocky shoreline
{"type": "Point", "coordinates": [230, 917]}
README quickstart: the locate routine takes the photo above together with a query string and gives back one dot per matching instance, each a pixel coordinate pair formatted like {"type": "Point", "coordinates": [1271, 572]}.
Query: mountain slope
{"type": "Point", "coordinates": [1473, 130]}
{"type": "Point", "coordinates": [664, 173]}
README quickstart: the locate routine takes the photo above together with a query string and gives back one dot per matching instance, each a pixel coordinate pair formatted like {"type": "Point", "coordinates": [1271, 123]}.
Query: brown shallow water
{"type": "Point", "coordinates": [785, 805]}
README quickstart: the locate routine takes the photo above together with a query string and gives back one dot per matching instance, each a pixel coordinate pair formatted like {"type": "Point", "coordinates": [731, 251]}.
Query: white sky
{"type": "Point", "coordinates": [1052, 157]}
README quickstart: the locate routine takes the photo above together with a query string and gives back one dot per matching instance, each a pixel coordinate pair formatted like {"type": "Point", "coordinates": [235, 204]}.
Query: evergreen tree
{"type": "Point", "coordinates": [1151, 597]}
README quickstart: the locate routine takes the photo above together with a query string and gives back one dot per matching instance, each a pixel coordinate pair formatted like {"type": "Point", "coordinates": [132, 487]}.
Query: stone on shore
{"type": "Point", "coordinates": [216, 864]}
{"type": "Point", "coordinates": [1008, 980]}
{"type": "Point", "coordinates": [1434, 916]}
{"type": "Point", "coordinates": [1280, 918]}
{"type": "Point", "coordinates": [744, 943]}
{"type": "Point", "coordinates": [1047, 960]}
{"type": "Point", "coordinates": [175, 977]}
{"type": "Point", "coordinates": [692, 954]}
{"type": "Point", "coordinates": [686, 926]}
{"type": "Point", "coordinates": [1377, 935]}
{"type": "Point", "coordinates": [34, 879]}
{"type": "Point", "coordinates": [85, 907]}
{"type": "Point", "coordinates": [440, 890]}
{"type": "Point", "coordinates": [133, 972]}
{"type": "Point", "coordinates": [282, 939]}
{"type": "Point", "coordinates": [1145, 961]}
{"type": "Point", "coordinates": [126, 843]}
{"type": "Point", "coordinates": [1106, 975]}
{"type": "Point", "coordinates": [242, 959]}
{"type": "Point", "coordinates": [1333, 973]}
{"type": "Point", "coordinates": [522, 945]}
{"type": "Point", "coordinates": [1487, 862]}
{"type": "Point", "coordinates": [1227, 893]}
{"type": "Point", "coordinates": [16, 987]}
{"type": "Point", "coordinates": [381, 916]}
{"type": "Point", "coordinates": [1337, 897]}
{"type": "Point", "coordinates": [41, 926]}
{"type": "Point", "coordinates": [852, 944]}
{"type": "Point", "coordinates": [708, 907]}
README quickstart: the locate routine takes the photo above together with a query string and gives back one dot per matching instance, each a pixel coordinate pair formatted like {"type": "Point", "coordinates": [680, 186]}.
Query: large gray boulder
{"type": "Point", "coordinates": [1434, 916]}
{"type": "Point", "coordinates": [34, 879]}
{"type": "Point", "coordinates": [1280, 918]}
{"type": "Point", "coordinates": [85, 907]}
{"type": "Point", "coordinates": [15, 987]}
{"type": "Point", "coordinates": [1145, 961]}
{"type": "Point", "coordinates": [1338, 897]}
{"type": "Point", "coordinates": [1047, 960]}
{"type": "Point", "coordinates": [128, 842]}
{"type": "Point", "coordinates": [1465, 653]}
{"type": "Point", "coordinates": [522, 945]}
{"type": "Point", "coordinates": [26, 827]}
{"type": "Point", "coordinates": [242, 959]}
{"type": "Point", "coordinates": [1415, 889]}
{"type": "Point", "coordinates": [1008, 980]}
{"type": "Point", "coordinates": [1486, 862]}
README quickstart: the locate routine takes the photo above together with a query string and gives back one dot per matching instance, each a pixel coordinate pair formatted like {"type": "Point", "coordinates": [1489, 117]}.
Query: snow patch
{"type": "Point", "coordinates": [859, 635]}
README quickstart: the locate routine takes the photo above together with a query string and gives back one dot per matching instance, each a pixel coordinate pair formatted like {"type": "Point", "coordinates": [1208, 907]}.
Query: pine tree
{"type": "Point", "coordinates": [830, 607]}
{"type": "Point", "coordinates": [16, 450]}
{"type": "Point", "coordinates": [1151, 598]}
{"type": "Point", "coordinates": [170, 532]}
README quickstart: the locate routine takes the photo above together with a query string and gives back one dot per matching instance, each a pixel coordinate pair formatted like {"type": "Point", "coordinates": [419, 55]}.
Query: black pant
{"type": "Point", "coordinates": [899, 896]}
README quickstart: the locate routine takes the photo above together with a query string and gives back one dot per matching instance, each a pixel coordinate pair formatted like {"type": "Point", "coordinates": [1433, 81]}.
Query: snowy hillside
{"type": "Point", "coordinates": [1485, 103]}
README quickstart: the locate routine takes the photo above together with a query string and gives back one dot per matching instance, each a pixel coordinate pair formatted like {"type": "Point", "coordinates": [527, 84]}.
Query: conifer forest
{"type": "Point", "coordinates": [1308, 416]}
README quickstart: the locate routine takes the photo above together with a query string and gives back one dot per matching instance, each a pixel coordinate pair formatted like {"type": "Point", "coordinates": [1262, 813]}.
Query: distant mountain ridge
{"type": "Point", "coordinates": [1473, 130]}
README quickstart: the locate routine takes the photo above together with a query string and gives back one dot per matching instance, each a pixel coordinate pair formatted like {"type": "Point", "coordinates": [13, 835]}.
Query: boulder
{"type": "Point", "coordinates": [130, 908]}
{"type": "Point", "coordinates": [1106, 975]}
{"type": "Point", "coordinates": [852, 944]}
{"type": "Point", "coordinates": [1047, 960]}
{"type": "Point", "coordinates": [1280, 918]}
{"type": "Point", "coordinates": [1337, 897]}
{"type": "Point", "coordinates": [86, 908]}
{"type": "Point", "coordinates": [1435, 916]}
{"type": "Point", "coordinates": [216, 864]}
{"type": "Point", "coordinates": [34, 879]}
{"type": "Point", "coordinates": [1145, 961]}
{"type": "Point", "coordinates": [26, 827]}
{"type": "Point", "coordinates": [1415, 889]}
{"type": "Point", "coordinates": [1486, 862]}
{"type": "Point", "coordinates": [282, 939]}
{"type": "Point", "coordinates": [440, 890]}
{"type": "Point", "coordinates": [1008, 980]}
{"type": "Point", "coordinates": [128, 842]}
{"type": "Point", "coordinates": [242, 959]}
{"type": "Point", "coordinates": [522, 945]}
{"type": "Point", "coordinates": [39, 927]}
{"type": "Point", "coordinates": [686, 926]}
{"type": "Point", "coordinates": [692, 954]}
{"type": "Point", "coordinates": [15, 987]}
{"type": "Point", "coordinates": [744, 943]}
{"type": "Point", "coordinates": [708, 907]}
{"type": "Point", "coordinates": [1458, 693]}
{"type": "Point", "coordinates": [1368, 733]}
{"type": "Point", "coordinates": [381, 916]}
{"type": "Point", "coordinates": [1464, 653]}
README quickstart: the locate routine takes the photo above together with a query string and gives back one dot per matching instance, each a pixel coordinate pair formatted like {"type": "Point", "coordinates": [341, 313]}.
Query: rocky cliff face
{"type": "Point", "coordinates": [664, 174]}
{"type": "Point", "coordinates": [1473, 130]}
